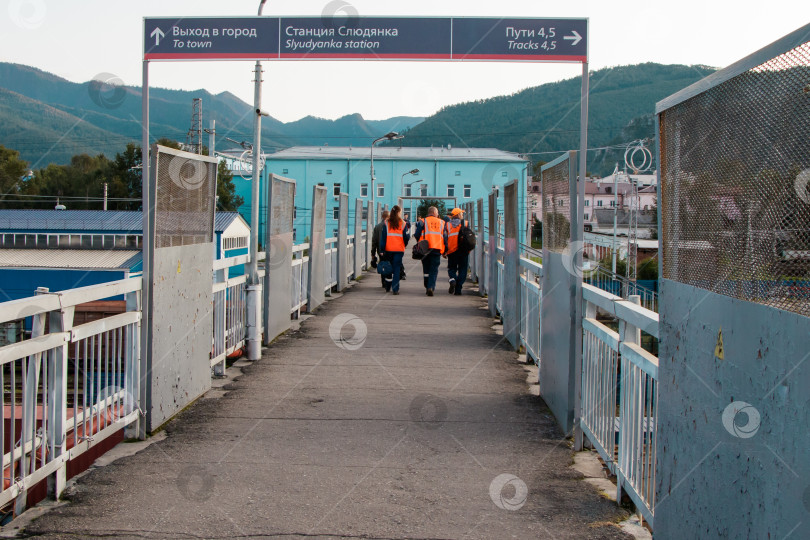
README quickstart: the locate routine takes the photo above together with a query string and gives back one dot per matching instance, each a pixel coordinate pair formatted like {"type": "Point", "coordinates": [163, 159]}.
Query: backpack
{"type": "Point", "coordinates": [466, 239]}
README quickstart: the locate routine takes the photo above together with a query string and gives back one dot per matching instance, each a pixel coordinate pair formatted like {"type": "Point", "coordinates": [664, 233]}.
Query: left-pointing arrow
{"type": "Point", "coordinates": [576, 38]}
{"type": "Point", "coordinates": [157, 33]}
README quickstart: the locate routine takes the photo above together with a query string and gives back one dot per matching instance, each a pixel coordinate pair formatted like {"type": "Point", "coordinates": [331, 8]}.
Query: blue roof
{"type": "Point", "coordinates": [88, 220]}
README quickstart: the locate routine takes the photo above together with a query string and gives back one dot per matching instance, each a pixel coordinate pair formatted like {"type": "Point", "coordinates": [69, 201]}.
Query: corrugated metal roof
{"type": "Point", "coordinates": [387, 153]}
{"type": "Point", "coordinates": [88, 220]}
{"type": "Point", "coordinates": [69, 258]}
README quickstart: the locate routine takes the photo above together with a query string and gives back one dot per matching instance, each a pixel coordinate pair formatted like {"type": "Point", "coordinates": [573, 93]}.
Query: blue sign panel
{"type": "Point", "coordinates": [247, 38]}
{"type": "Point", "coordinates": [366, 38]}
{"type": "Point", "coordinates": [520, 39]}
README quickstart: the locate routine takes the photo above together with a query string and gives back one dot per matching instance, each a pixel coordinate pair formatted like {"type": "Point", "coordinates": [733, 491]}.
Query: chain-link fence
{"type": "Point", "coordinates": [185, 198]}
{"type": "Point", "coordinates": [735, 185]}
{"type": "Point", "coordinates": [556, 192]}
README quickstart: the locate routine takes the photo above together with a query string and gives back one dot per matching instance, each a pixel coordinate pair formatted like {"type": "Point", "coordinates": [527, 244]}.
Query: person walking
{"type": "Point", "coordinates": [393, 239]}
{"type": "Point", "coordinates": [375, 243]}
{"type": "Point", "coordinates": [457, 259]}
{"type": "Point", "coordinates": [431, 231]}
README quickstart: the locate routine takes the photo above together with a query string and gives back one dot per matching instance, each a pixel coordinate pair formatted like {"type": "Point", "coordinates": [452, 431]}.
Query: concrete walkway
{"type": "Point", "coordinates": [418, 423]}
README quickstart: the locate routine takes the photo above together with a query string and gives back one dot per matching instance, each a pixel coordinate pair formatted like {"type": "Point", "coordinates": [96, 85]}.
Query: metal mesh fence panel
{"type": "Point", "coordinates": [735, 185]}
{"type": "Point", "coordinates": [184, 201]}
{"type": "Point", "coordinates": [556, 206]}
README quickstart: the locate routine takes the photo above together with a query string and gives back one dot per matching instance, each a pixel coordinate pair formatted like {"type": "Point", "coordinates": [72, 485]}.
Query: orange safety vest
{"type": "Point", "coordinates": [394, 241]}
{"type": "Point", "coordinates": [452, 236]}
{"type": "Point", "coordinates": [433, 233]}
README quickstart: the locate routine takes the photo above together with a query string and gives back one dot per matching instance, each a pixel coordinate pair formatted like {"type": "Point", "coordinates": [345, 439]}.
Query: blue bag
{"type": "Point", "coordinates": [385, 267]}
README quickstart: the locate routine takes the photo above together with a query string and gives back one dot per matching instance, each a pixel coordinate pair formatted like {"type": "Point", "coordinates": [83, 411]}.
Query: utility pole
{"type": "Point", "coordinates": [105, 196]}
{"type": "Point", "coordinates": [254, 323]}
{"type": "Point", "coordinates": [194, 136]}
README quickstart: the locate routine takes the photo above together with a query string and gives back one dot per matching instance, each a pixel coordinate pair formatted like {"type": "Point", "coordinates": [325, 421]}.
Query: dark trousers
{"type": "Point", "coordinates": [457, 264]}
{"type": "Point", "coordinates": [391, 281]}
{"type": "Point", "coordinates": [430, 268]}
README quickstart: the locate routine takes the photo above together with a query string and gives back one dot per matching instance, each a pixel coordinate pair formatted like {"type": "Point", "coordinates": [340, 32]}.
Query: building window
{"type": "Point", "coordinates": [321, 184]}
{"type": "Point", "coordinates": [504, 173]}
{"type": "Point", "coordinates": [561, 202]}
{"type": "Point", "coordinates": [407, 190]}
{"type": "Point", "coordinates": [423, 190]}
{"type": "Point", "coordinates": [365, 212]}
{"type": "Point", "coordinates": [335, 233]}
{"type": "Point", "coordinates": [336, 213]}
{"type": "Point", "coordinates": [328, 171]}
{"type": "Point", "coordinates": [364, 190]}
{"type": "Point", "coordinates": [599, 202]}
{"type": "Point", "coordinates": [451, 190]}
{"type": "Point", "coordinates": [295, 212]}
{"type": "Point", "coordinates": [235, 242]}
{"type": "Point", "coordinates": [407, 215]}
{"type": "Point", "coordinates": [336, 189]}
{"type": "Point", "coordinates": [587, 202]}
{"type": "Point", "coordinates": [295, 234]}
{"type": "Point", "coordinates": [458, 173]}
{"type": "Point", "coordinates": [380, 190]}
{"type": "Point", "coordinates": [587, 217]}
{"type": "Point", "coordinates": [467, 191]}
{"type": "Point", "coordinates": [534, 204]}
{"type": "Point", "coordinates": [612, 203]}
{"type": "Point", "coordinates": [285, 171]}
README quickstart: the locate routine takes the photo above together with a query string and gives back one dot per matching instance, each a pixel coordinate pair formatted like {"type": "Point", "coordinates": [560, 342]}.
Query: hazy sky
{"type": "Point", "coordinates": [78, 39]}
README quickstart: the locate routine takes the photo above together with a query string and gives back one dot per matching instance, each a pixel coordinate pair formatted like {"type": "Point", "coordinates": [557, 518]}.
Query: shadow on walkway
{"type": "Point", "coordinates": [382, 417]}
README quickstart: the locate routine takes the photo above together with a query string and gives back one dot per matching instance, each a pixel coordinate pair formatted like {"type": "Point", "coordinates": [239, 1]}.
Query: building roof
{"type": "Point", "coordinates": [89, 220]}
{"type": "Point", "coordinates": [86, 259]}
{"type": "Point", "coordinates": [389, 153]}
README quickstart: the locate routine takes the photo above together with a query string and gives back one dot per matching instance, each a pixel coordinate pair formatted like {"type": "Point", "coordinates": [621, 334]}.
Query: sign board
{"type": "Point", "coordinates": [366, 38]}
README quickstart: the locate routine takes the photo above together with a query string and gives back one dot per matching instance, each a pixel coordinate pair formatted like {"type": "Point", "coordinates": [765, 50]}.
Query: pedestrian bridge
{"type": "Point", "coordinates": [377, 416]}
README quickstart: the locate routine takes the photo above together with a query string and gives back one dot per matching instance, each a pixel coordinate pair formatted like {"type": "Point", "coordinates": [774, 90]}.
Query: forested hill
{"type": "Point", "coordinates": [49, 119]}
{"type": "Point", "coordinates": [546, 118]}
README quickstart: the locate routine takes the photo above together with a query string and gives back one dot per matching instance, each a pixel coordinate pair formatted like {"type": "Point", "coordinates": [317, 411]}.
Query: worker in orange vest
{"type": "Point", "coordinates": [393, 239]}
{"type": "Point", "coordinates": [432, 231]}
{"type": "Point", "coordinates": [457, 259]}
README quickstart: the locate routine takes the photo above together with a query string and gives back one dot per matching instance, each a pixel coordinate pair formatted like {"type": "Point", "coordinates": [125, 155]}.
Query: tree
{"type": "Point", "coordinates": [12, 170]}
{"type": "Point", "coordinates": [424, 204]}
{"type": "Point", "coordinates": [227, 198]}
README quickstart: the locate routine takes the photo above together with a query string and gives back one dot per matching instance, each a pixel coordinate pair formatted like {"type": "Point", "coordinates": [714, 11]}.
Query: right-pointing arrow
{"type": "Point", "coordinates": [576, 38]}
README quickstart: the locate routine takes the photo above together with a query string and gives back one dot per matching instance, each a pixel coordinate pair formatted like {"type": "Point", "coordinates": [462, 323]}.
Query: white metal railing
{"type": "Point", "coordinates": [300, 278]}
{"type": "Point", "coordinates": [500, 269]}
{"type": "Point", "coordinates": [330, 263]}
{"type": "Point", "coordinates": [619, 285]}
{"type": "Point", "coordinates": [230, 316]}
{"type": "Point", "coordinates": [622, 430]}
{"type": "Point", "coordinates": [531, 279]}
{"type": "Point", "coordinates": [67, 388]}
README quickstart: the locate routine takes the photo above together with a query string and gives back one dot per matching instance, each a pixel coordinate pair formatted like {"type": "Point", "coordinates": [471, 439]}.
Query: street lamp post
{"type": "Point", "coordinates": [254, 350]}
{"type": "Point", "coordinates": [390, 136]}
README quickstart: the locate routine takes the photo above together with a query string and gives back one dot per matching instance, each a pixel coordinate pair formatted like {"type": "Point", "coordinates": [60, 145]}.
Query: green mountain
{"type": "Point", "coordinates": [543, 121]}
{"type": "Point", "coordinates": [49, 119]}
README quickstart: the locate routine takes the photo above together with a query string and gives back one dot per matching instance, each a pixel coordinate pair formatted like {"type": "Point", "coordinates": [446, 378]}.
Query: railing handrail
{"type": "Point", "coordinates": [633, 314]}
{"type": "Point", "coordinates": [55, 300]}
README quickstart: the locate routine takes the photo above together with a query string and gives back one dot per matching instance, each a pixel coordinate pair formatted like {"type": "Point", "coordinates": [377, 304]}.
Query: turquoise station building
{"type": "Point", "coordinates": [467, 174]}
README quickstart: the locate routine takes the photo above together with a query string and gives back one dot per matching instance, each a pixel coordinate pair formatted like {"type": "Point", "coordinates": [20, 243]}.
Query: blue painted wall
{"type": "Point", "coordinates": [351, 174]}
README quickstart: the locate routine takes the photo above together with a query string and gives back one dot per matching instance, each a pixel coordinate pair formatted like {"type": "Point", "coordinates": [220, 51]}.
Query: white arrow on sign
{"type": "Point", "coordinates": [157, 33]}
{"type": "Point", "coordinates": [576, 38]}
